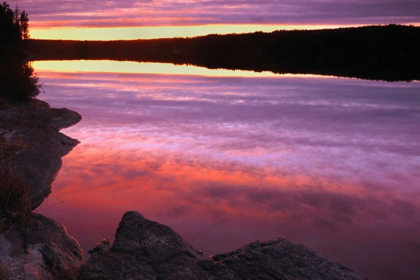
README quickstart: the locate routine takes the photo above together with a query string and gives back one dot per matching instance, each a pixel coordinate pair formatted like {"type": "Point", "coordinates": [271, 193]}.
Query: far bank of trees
{"type": "Point", "coordinates": [373, 52]}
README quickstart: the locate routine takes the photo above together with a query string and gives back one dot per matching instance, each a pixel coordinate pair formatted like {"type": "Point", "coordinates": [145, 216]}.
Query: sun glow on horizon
{"type": "Point", "coordinates": [155, 32]}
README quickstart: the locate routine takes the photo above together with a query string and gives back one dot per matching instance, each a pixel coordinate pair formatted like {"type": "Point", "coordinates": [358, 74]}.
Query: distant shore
{"type": "Point", "coordinates": [387, 53]}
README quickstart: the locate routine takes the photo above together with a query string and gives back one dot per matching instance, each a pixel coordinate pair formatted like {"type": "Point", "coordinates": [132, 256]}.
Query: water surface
{"type": "Point", "coordinates": [226, 158]}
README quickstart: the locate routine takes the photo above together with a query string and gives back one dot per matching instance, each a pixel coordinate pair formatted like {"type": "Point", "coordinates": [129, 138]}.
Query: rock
{"type": "Point", "coordinates": [101, 247]}
{"type": "Point", "coordinates": [42, 250]}
{"type": "Point", "coordinates": [145, 249]}
{"type": "Point", "coordinates": [282, 259]}
{"type": "Point", "coordinates": [31, 145]}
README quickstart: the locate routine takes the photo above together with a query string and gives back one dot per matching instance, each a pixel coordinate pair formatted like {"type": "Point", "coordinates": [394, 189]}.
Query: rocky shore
{"type": "Point", "coordinates": [31, 148]}
{"type": "Point", "coordinates": [144, 249]}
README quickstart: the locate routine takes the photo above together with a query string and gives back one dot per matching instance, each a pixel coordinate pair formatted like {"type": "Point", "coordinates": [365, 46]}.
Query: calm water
{"type": "Point", "coordinates": [226, 158]}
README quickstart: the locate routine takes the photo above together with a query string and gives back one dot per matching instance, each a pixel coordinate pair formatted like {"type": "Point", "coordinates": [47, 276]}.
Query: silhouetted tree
{"type": "Point", "coordinates": [24, 25]}
{"type": "Point", "coordinates": [14, 25]}
{"type": "Point", "coordinates": [16, 14]}
{"type": "Point", "coordinates": [17, 78]}
{"type": "Point", "coordinates": [7, 28]}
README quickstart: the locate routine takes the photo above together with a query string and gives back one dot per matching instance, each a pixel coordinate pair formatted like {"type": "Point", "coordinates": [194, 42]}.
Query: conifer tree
{"type": "Point", "coordinates": [24, 25]}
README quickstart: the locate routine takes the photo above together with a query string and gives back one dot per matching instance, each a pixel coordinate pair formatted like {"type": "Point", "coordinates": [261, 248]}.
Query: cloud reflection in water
{"type": "Point", "coordinates": [331, 163]}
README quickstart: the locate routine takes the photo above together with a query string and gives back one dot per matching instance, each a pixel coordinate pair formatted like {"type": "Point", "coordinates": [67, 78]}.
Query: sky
{"type": "Point", "coordinates": [134, 19]}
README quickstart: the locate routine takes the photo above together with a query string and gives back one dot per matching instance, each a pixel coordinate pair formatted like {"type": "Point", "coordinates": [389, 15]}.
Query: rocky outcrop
{"type": "Point", "coordinates": [144, 249]}
{"type": "Point", "coordinates": [41, 250]}
{"type": "Point", "coordinates": [31, 146]}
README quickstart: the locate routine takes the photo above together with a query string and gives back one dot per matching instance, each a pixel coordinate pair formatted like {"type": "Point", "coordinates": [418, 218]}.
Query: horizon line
{"type": "Point", "coordinates": [129, 33]}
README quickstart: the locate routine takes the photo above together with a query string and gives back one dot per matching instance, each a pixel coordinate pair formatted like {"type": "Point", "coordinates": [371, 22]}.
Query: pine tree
{"type": "Point", "coordinates": [24, 25]}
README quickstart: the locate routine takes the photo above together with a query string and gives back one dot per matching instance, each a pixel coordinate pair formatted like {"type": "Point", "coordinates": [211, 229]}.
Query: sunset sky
{"type": "Point", "coordinates": [132, 19]}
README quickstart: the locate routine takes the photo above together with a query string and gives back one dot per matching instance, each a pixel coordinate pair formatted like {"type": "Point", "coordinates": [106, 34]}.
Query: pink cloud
{"type": "Point", "coordinates": [152, 13]}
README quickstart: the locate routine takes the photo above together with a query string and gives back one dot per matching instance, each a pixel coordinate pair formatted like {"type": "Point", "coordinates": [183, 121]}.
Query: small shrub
{"type": "Point", "coordinates": [3, 103]}
{"type": "Point", "coordinates": [15, 205]}
{"type": "Point", "coordinates": [18, 81]}
{"type": "Point", "coordinates": [4, 273]}
{"type": "Point", "coordinates": [63, 275]}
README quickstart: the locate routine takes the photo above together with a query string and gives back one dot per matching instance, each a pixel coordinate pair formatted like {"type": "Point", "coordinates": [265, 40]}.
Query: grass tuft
{"type": "Point", "coordinates": [4, 273]}
{"type": "Point", "coordinates": [15, 205]}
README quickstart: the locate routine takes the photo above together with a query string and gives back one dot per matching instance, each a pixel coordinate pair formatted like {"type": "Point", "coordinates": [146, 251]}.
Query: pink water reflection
{"type": "Point", "coordinates": [331, 163]}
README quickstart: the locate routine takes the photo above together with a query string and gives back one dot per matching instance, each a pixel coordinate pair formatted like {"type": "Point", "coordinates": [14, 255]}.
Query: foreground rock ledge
{"type": "Point", "coordinates": [145, 249]}
{"type": "Point", "coordinates": [41, 250]}
{"type": "Point", "coordinates": [31, 145]}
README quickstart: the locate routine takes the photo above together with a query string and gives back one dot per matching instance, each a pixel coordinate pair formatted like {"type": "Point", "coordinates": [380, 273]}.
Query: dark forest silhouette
{"type": "Point", "coordinates": [17, 79]}
{"type": "Point", "coordinates": [374, 52]}
{"type": "Point", "coordinates": [14, 26]}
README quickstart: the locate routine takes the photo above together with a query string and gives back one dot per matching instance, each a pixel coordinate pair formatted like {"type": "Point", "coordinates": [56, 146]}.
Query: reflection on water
{"type": "Point", "coordinates": [106, 66]}
{"type": "Point", "coordinates": [331, 163]}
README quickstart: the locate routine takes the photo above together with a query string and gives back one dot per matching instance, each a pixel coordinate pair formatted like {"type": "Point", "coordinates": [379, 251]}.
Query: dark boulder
{"type": "Point", "coordinates": [282, 259]}
{"type": "Point", "coordinates": [145, 249]}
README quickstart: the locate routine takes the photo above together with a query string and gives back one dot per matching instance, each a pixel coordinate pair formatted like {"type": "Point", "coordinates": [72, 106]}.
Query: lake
{"type": "Point", "coordinates": [229, 157]}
